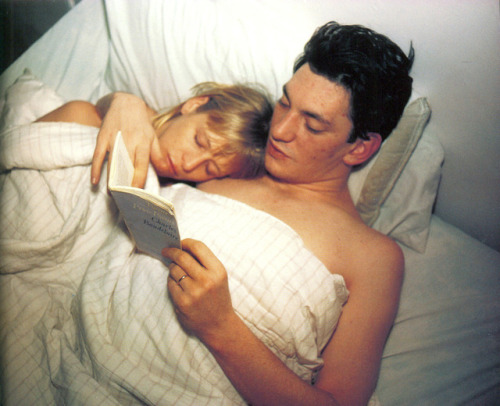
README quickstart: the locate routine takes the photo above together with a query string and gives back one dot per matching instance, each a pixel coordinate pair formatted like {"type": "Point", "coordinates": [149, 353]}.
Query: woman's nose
{"type": "Point", "coordinates": [193, 161]}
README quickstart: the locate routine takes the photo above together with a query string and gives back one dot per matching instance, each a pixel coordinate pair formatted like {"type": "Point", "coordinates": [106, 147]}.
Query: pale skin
{"type": "Point", "coordinates": [124, 111]}
{"type": "Point", "coordinates": [183, 148]}
{"type": "Point", "coordinates": [308, 160]}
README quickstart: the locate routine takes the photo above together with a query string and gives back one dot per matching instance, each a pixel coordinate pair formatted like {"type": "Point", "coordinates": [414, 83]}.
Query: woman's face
{"type": "Point", "coordinates": [190, 150]}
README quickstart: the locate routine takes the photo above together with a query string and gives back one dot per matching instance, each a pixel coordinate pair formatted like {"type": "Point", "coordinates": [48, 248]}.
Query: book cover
{"type": "Point", "coordinates": [150, 218]}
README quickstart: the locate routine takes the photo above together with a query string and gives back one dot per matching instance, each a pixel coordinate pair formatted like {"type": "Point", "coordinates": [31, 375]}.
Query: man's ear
{"type": "Point", "coordinates": [362, 150]}
{"type": "Point", "coordinates": [192, 104]}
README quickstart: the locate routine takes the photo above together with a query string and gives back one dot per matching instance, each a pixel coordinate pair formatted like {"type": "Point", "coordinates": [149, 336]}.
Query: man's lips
{"type": "Point", "coordinates": [274, 150]}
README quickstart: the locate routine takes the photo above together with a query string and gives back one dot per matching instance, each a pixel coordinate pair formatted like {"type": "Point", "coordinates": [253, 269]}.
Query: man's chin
{"type": "Point", "coordinates": [275, 167]}
{"type": "Point", "coordinates": [279, 174]}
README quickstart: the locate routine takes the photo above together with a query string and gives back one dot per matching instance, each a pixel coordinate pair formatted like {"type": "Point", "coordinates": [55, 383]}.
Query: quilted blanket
{"type": "Point", "coordinates": [86, 319]}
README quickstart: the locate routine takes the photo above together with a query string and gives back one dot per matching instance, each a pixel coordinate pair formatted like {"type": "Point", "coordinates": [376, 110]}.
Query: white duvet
{"type": "Point", "coordinates": [87, 320]}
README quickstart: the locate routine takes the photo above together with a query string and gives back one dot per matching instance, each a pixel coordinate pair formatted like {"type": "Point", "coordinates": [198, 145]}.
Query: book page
{"type": "Point", "coordinates": [121, 171]}
{"type": "Point", "coordinates": [150, 218]}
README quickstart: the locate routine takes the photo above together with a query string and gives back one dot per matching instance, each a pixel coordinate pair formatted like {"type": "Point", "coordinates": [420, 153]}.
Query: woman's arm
{"type": "Point", "coordinates": [129, 114]}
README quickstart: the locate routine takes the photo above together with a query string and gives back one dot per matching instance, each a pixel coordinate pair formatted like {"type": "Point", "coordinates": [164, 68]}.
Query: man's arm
{"type": "Point", "coordinates": [353, 355]}
{"type": "Point", "coordinates": [203, 304]}
{"type": "Point", "coordinates": [129, 114]}
{"type": "Point", "coordinates": [258, 375]}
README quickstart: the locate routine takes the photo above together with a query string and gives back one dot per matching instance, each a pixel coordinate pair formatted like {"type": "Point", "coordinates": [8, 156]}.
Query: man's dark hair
{"type": "Point", "coordinates": [370, 66]}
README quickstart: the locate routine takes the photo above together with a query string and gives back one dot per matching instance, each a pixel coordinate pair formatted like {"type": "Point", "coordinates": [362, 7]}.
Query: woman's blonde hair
{"type": "Point", "coordinates": [239, 113]}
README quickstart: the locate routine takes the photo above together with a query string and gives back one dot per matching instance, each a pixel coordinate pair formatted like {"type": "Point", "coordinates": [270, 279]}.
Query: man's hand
{"type": "Point", "coordinates": [130, 115]}
{"type": "Point", "coordinates": [199, 289]}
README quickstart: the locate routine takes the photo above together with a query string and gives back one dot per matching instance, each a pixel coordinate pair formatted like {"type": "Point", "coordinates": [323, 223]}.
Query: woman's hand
{"type": "Point", "coordinates": [199, 289]}
{"type": "Point", "coordinates": [129, 114]}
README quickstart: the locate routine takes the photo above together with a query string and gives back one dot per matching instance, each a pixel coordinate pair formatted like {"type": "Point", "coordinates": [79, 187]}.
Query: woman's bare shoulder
{"type": "Point", "coordinates": [77, 111]}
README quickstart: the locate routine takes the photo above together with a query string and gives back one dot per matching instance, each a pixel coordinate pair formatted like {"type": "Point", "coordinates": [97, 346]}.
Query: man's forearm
{"type": "Point", "coordinates": [259, 376]}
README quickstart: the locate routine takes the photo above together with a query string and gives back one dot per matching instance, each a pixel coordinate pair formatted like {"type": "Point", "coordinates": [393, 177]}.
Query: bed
{"type": "Point", "coordinates": [68, 271]}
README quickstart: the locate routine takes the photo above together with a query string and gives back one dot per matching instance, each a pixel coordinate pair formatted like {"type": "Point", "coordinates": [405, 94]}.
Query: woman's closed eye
{"type": "Point", "coordinates": [202, 140]}
{"type": "Point", "coordinates": [212, 169]}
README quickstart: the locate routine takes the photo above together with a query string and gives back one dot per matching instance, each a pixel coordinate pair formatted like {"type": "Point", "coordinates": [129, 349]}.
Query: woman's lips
{"type": "Point", "coordinates": [172, 166]}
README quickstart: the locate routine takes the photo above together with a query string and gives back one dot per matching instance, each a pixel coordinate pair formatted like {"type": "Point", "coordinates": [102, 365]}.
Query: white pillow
{"type": "Point", "coordinates": [161, 49]}
{"type": "Point", "coordinates": [395, 193]}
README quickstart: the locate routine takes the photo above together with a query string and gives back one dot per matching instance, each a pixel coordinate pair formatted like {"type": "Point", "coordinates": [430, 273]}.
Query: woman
{"type": "Point", "coordinates": [220, 131]}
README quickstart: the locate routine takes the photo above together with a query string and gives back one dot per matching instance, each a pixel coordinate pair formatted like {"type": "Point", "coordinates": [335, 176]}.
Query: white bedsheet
{"type": "Point", "coordinates": [50, 228]}
{"type": "Point", "coordinates": [87, 320]}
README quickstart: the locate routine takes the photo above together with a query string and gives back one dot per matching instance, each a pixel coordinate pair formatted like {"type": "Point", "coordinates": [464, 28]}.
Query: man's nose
{"type": "Point", "coordinates": [284, 127]}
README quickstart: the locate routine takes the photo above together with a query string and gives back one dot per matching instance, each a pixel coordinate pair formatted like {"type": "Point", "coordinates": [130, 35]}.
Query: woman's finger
{"type": "Point", "coordinates": [141, 164]}
{"type": "Point", "coordinates": [157, 158]}
{"type": "Point", "coordinates": [100, 151]}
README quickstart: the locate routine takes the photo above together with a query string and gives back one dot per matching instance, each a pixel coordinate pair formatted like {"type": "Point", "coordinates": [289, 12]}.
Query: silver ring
{"type": "Point", "coordinates": [181, 278]}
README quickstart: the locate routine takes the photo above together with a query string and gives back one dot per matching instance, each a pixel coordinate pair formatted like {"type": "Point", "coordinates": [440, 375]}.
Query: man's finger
{"type": "Point", "coordinates": [202, 254]}
{"type": "Point", "coordinates": [185, 261]}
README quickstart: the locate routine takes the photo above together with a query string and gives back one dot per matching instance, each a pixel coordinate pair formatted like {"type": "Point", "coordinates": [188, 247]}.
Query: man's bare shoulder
{"type": "Point", "coordinates": [335, 233]}
{"type": "Point", "coordinates": [349, 247]}
{"type": "Point", "coordinates": [373, 257]}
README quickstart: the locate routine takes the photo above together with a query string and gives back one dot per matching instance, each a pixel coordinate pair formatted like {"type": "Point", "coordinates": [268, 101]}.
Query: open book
{"type": "Point", "coordinates": [150, 218]}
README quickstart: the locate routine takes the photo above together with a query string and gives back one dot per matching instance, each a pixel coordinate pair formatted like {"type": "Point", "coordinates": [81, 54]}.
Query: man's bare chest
{"type": "Point", "coordinates": [321, 226]}
{"type": "Point", "coordinates": [322, 231]}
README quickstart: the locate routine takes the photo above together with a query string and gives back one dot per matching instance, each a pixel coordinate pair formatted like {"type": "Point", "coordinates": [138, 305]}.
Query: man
{"type": "Point", "coordinates": [347, 93]}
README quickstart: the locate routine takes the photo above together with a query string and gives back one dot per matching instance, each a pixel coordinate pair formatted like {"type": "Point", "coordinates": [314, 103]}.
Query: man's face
{"type": "Point", "coordinates": [309, 129]}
